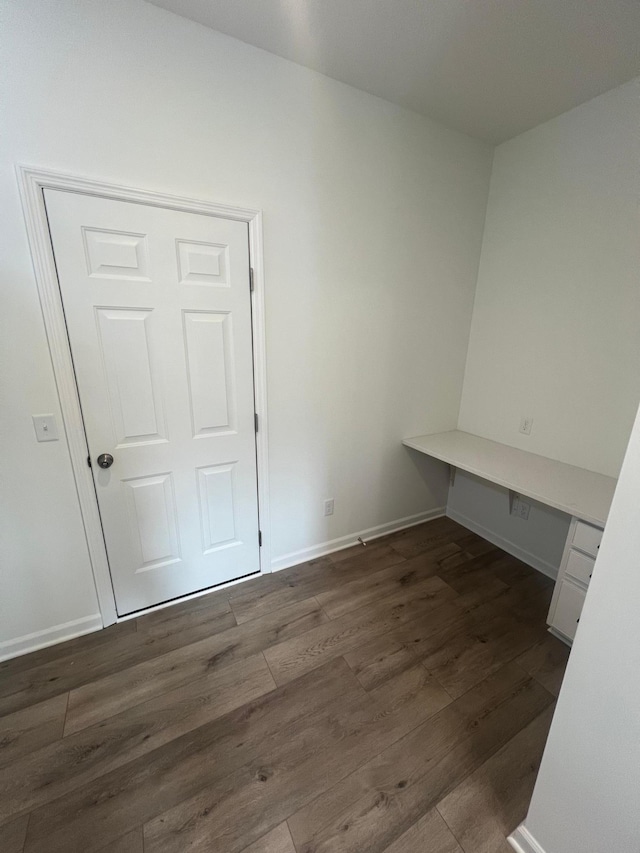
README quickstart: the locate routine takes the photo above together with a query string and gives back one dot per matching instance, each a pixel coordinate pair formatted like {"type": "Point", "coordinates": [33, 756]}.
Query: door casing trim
{"type": "Point", "coordinates": [32, 182]}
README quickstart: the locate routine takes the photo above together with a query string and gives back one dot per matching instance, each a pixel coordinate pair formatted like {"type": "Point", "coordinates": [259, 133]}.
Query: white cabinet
{"type": "Point", "coordinates": [578, 561]}
{"type": "Point", "coordinates": [586, 538]}
{"type": "Point", "coordinates": [568, 609]}
{"type": "Point", "coordinates": [579, 567]}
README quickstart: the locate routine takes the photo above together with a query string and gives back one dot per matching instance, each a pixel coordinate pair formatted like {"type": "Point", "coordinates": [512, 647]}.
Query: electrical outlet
{"type": "Point", "coordinates": [525, 425]}
{"type": "Point", "coordinates": [328, 506]}
{"type": "Point", "coordinates": [520, 508]}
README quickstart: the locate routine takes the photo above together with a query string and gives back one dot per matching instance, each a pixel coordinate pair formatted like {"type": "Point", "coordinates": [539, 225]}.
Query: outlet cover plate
{"type": "Point", "coordinates": [525, 425]}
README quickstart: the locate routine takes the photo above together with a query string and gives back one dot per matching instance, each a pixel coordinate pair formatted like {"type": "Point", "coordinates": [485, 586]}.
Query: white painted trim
{"type": "Point", "coordinates": [50, 636]}
{"type": "Point", "coordinates": [507, 545]}
{"type": "Point", "coordinates": [32, 182]}
{"type": "Point", "coordinates": [258, 320]}
{"type": "Point", "coordinates": [523, 842]}
{"type": "Point", "coordinates": [324, 548]}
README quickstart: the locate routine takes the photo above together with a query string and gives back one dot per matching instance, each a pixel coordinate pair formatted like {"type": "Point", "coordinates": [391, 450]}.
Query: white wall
{"type": "Point", "coordinates": [373, 222]}
{"type": "Point", "coordinates": [557, 310]}
{"type": "Point", "coordinates": [586, 794]}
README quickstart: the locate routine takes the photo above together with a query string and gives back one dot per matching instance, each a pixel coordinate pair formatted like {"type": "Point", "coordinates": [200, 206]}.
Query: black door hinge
{"type": "Point", "coordinates": [260, 538]}
{"type": "Point", "coordinates": [251, 284]}
{"type": "Point", "coordinates": [89, 461]}
{"type": "Point", "coordinates": [255, 421]}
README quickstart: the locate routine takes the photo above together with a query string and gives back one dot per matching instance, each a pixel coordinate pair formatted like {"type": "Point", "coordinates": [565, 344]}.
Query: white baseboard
{"type": "Point", "coordinates": [324, 548]}
{"type": "Point", "coordinates": [50, 636]}
{"type": "Point", "coordinates": [560, 636]}
{"type": "Point", "coordinates": [527, 557]}
{"type": "Point", "coordinates": [523, 842]}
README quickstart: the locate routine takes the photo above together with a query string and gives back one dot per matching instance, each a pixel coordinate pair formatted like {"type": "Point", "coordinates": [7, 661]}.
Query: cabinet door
{"type": "Point", "coordinates": [580, 567]}
{"type": "Point", "coordinates": [568, 608]}
{"type": "Point", "coordinates": [587, 538]}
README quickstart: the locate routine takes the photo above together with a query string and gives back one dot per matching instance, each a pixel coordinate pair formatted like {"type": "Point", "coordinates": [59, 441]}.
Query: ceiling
{"type": "Point", "coordinates": [490, 68]}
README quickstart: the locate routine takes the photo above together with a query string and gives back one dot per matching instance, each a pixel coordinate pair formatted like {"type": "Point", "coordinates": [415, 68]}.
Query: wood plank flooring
{"type": "Point", "coordinates": [393, 698]}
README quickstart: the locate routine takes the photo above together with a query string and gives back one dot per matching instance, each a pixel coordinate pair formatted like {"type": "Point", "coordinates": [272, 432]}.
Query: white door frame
{"type": "Point", "coordinates": [32, 182]}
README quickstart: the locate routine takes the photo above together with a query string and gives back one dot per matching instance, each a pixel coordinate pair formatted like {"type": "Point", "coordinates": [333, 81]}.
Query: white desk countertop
{"type": "Point", "coordinates": [573, 490]}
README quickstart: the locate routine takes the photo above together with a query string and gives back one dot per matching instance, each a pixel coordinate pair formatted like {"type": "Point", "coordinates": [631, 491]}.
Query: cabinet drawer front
{"type": "Point", "coordinates": [580, 567]}
{"type": "Point", "coordinates": [568, 609]}
{"type": "Point", "coordinates": [587, 538]}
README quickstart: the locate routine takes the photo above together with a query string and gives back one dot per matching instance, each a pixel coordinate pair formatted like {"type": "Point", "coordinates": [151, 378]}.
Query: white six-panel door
{"type": "Point", "coordinates": [158, 311]}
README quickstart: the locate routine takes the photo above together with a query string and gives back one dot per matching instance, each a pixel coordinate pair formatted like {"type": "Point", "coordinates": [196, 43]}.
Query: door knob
{"type": "Point", "coordinates": [105, 460]}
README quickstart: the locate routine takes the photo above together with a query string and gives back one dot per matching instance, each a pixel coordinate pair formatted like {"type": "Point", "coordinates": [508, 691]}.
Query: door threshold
{"type": "Point", "coordinates": [162, 605]}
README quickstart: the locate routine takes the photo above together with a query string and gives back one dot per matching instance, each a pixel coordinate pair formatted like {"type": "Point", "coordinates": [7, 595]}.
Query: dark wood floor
{"type": "Point", "coordinates": [390, 698]}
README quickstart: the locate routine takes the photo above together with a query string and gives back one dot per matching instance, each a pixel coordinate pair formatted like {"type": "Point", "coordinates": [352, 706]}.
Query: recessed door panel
{"type": "Point", "coordinates": [117, 255]}
{"type": "Point", "coordinates": [208, 344]}
{"type": "Point", "coordinates": [217, 504]}
{"type": "Point", "coordinates": [136, 406]}
{"type": "Point", "coordinates": [152, 518]}
{"type": "Point", "coordinates": [158, 308]}
{"type": "Point", "coordinates": [203, 263]}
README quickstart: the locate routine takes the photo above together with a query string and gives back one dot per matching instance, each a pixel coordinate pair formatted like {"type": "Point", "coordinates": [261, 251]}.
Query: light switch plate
{"type": "Point", "coordinates": [46, 427]}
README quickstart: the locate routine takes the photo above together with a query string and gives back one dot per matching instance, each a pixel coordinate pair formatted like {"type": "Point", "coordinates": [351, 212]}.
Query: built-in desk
{"type": "Point", "coordinates": [582, 494]}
